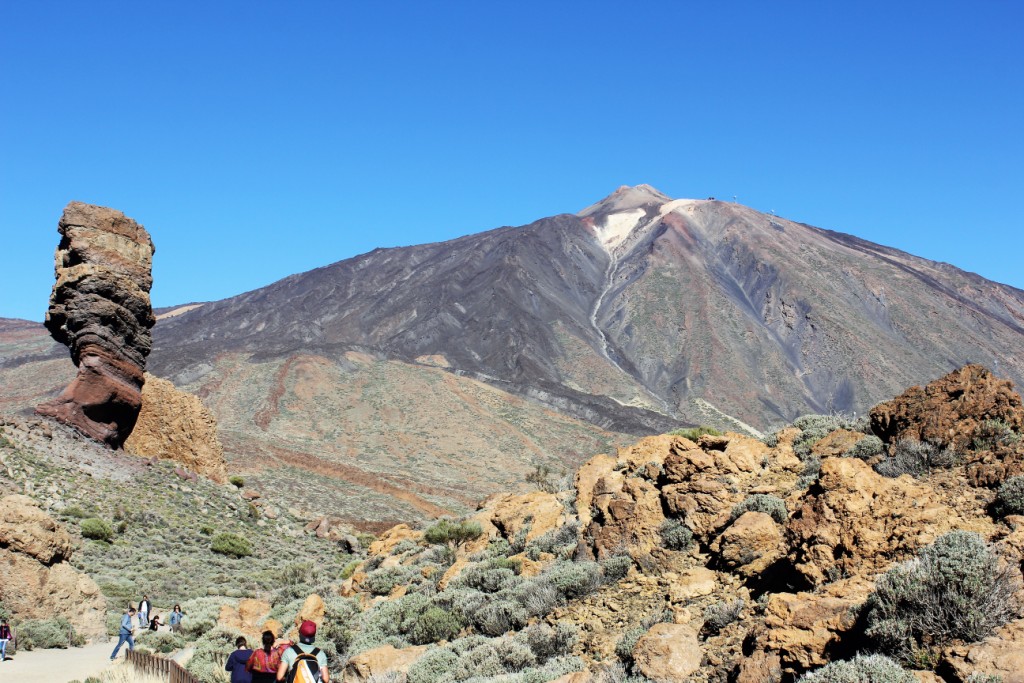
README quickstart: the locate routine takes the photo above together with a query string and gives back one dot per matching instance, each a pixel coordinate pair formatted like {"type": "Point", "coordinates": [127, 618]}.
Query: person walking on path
{"type": "Point", "coordinates": [144, 608]}
{"type": "Point", "coordinates": [125, 634]}
{"type": "Point", "coordinates": [305, 654]}
{"type": "Point", "coordinates": [264, 662]}
{"type": "Point", "coordinates": [175, 620]}
{"type": "Point", "coordinates": [5, 635]}
{"type": "Point", "coordinates": [237, 660]}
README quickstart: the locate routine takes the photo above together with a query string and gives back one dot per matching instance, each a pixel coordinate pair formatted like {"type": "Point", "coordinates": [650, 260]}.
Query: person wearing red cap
{"type": "Point", "coordinates": [304, 651]}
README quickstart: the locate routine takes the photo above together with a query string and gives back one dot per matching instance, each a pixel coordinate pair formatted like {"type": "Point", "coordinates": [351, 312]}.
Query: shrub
{"type": "Point", "coordinates": [954, 589]}
{"type": "Point", "coordinates": [205, 530]}
{"type": "Point", "coordinates": [866, 448]}
{"type": "Point", "coordinates": [763, 502]}
{"type": "Point", "coordinates": [627, 642]}
{"type": "Point", "coordinates": [993, 434]}
{"type": "Point", "coordinates": [44, 634]}
{"type": "Point", "coordinates": [486, 578]}
{"type": "Point", "coordinates": [978, 677]}
{"type": "Point", "coordinates": [615, 567]}
{"type": "Point", "coordinates": [433, 625]}
{"type": "Point", "coordinates": [348, 570]}
{"type": "Point", "coordinates": [1010, 498]}
{"type": "Point", "coordinates": [96, 529]}
{"type": "Point", "coordinates": [454, 533]}
{"type": "Point", "coordinates": [916, 458]}
{"type": "Point", "coordinates": [573, 579]}
{"type": "Point", "coordinates": [694, 433]}
{"type": "Point", "coordinates": [541, 478]}
{"type": "Point", "coordinates": [721, 614]}
{"type": "Point", "coordinates": [236, 481]}
{"type": "Point", "coordinates": [861, 669]}
{"type": "Point", "coordinates": [560, 542]}
{"type": "Point", "coordinates": [676, 535]}
{"type": "Point", "coordinates": [231, 544]}
{"type": "Point", "coordinates": [75, 512]}
{"type": "Point", "coordinates": [383, 581]}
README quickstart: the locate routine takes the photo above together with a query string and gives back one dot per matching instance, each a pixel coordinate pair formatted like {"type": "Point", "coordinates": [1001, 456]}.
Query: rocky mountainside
{"type": "Point", "coordinates": [414, 380]}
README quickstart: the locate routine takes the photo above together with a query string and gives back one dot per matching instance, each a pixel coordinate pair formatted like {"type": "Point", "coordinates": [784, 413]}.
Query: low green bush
{"type": "Point", "coordinates": [861, 669]}
{"type": "Point", "coordinates": [231, 544]}
{"type": "Point", "coordinates": [866, 448]}
{"type": "Point", "coordinates": [96, 529]}
{"type": "Point", "coordinates": [615, 567]}
{"type": "Point", "coordinates": [993, 434]}
{"type": "Point", "coordinates": [74, 512]}
{"type": "Point", "coordinates": [236, 481]}
{"type": "Point", "coordinates": [694, 433]}
{"type": "Point", "coordinates": [44, 634]}
{"type": "Point", "coordinates": [454, 533]}
{"type": "Point", "coordinates": [1010, 497]}
{"type": "Point", "coordinates": [676, 535]}
{"type": "Point", "coordinates": [762, 502]}
{"type": "Point", "coordinates": [433, 625]}
{"type": "Point", "coordinates": [957, 588]}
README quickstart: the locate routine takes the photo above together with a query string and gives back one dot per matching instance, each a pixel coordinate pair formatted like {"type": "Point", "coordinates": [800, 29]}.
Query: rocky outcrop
{"type": "Point", "coordinates": [380, 660]}
{"type": "Point", "coordinates": [248, 617]}
{"type": "Point", "coordinates": [949, 410]}
{"type": "Point", "coordinates": [857, 522]}
{"type": "Point", "coordinates": [100, 309]}
{"type": "Point", "coordinates": [39, 583]}
{"type": "Point", "coordinates": [668, 653]}
{"type": "Point", "coordinates": [1000, 655]}
{"type": "Point", "coordinates": [750, 544]}
{"type": "Point", "coordinates": [175, 425]}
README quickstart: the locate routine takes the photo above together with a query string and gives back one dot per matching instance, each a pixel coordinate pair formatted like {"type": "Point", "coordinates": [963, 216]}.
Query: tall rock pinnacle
{"type": "Point", "coordinates": [100, 309]}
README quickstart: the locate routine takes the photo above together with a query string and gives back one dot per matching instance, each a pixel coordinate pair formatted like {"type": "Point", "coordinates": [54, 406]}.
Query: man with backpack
{"type": "Point", "coordinates": [304, 662]}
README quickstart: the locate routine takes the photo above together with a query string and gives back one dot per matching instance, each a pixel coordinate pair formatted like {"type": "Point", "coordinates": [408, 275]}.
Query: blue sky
{"type": "Point", "coordinates": [259, 139]}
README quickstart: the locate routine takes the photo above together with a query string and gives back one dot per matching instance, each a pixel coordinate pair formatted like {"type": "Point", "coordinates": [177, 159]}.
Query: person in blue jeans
{"type": "Point", "coordinates": [5, 635]}
{"type": "Point", "coordinates": [125, 634]}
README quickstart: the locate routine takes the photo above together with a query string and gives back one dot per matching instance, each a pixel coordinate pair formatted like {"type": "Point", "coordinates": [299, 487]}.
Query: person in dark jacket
{"type": "Point", "coordinates": [237, 660]}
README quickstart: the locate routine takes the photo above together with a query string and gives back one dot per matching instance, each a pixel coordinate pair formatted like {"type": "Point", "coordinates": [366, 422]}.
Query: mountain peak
{"type": "Point", "coordinates": [626, 198]}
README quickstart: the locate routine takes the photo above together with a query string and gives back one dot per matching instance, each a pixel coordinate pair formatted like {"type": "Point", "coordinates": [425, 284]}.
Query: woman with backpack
{"type": "Point", "coordinates": [263, 663]}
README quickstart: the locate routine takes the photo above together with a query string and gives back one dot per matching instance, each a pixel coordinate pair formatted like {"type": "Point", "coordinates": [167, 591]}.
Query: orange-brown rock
{"type": "Point", "coordinates": [760, 667]}
{"type": "Point", "coordinates": [26, 529]}
{"type": "Point", "coordinates": [533, 514]}
{"type": "Point", "coordinates": [949, 410]}
{"type": "Point", "coordinates": [175, 425]}
{"type": "Point", "coordinates": [100, 309]}
{"type": "Point", "coordinates": [803, 627]}
{"type": "Point", "coordinates": [39, 583]}
{"type": "Point", "coordinates": [836, 443]}
{"type": "Point", "coordinates": [999, 655]}
{"type": "Point", "coordinates": [248, 617]}
{"type": "Point", "coordinates": [392, 537]}
{"type": "Point", "coordinates": [750, 544]}
{"type": "Point", "coordinates": [668, 653]}
{"type": "Point", "coordinates": [380, 660]}
{"type": "Point", "coordinates": [859, 522]}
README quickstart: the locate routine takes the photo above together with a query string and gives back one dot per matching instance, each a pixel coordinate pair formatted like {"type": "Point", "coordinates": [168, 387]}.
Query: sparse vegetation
{"type": "Point", "coordinates": [694, 433]}
{"type": "Point", "coordinates": [763, 502]}
{"type": "Point", "coordinates": [866, 448]}
{"type": "Point", "coordinates": [44, 634]}
{"type": "Point", "coordinates": [721, 614]}
{"type": "Point", "coordinates": [231, 544]}
{"type": "Point", "coordinates": [96, 529]}
{"type": "Point", "coordinates": [452, 533]}
{"type": "Point", "coordinates": [1010, 497]}
{"type": "Point", "coordinates": [957, 588]}
{"type": "Point", "coordinates": [861, 669]}
{"type": "Point", "coordinates": [676, 535]}
{"type": "Point", "coordinates": [916, 458]}
{"type": "Point", "coordinates": [236, 481]}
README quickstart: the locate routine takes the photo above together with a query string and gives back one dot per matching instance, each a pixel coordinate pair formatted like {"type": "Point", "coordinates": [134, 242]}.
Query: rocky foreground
{"type": "Point", "coordinates": [882, 548]}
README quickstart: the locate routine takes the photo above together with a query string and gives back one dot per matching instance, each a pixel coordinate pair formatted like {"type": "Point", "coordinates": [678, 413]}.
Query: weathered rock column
{"type": "Point", "coordinates": [100, 309]}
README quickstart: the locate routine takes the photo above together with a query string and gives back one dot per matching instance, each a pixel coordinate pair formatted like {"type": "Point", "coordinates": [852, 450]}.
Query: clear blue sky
{"type": "Point", "coordinates": [259, 139]}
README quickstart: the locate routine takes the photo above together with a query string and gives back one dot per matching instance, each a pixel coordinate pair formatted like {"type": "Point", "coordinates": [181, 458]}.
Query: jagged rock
{"type": "Point", "coordinates": [760, 667]}
{"type": "Point", "coordinates": [857, 522]}
{"type": "Point", "coordinates": [536, 512]}
{"type": "Point", "coordinates": [750, 544]}
{"type": "Point", "coordinates": [392, 537]}
{"type": "Point", "coordinates": [380, 660]}
{"type": "Point", "coordinates": [836, 443]}
{"type": "Point", "coordinates": [693, 583]}
{"type": "Point", "coordinates": [999, 655]}
{"type": "Point", "coordinates": [949, 410]}
{"type": "Point", "coordinates": [26, 529]}
{"type": "Point", "coordinates": [175, 425]}
{"type": "Point", "coordinates": [249, 617]}
{"type": "Point", "coordinates": [668, 653]}
{"type": "Point", "coordinates": [39, 582]}
{"type": "Point", "coordinates": [803, 627]}
{"type": "Point", "coordinates": [100, 309]}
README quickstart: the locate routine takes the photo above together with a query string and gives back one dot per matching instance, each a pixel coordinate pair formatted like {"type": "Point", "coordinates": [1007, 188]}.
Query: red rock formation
{"type": "Point", "coordinates": [949, 410]}
{"type": "Point", "coordinates": [100, 309]}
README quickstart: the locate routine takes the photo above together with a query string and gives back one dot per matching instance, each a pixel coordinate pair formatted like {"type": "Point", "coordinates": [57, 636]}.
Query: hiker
{"type": "Point", "coordinates": [303, 662]}
{"type": "Point", "coordinates": [154, 623]}
{"type": "Point", "coordinates": [237, 660]}
{"type": "Point", "coordinates": [175, 620]}
{"type": "Point", "coordinates": [264, 662]}
{"type": "Point", "coordinates": [5, 635]}
{"type": "Point", "coordinates": [125, 634]}
{"type": "Point", "coordinates": [144, 612]}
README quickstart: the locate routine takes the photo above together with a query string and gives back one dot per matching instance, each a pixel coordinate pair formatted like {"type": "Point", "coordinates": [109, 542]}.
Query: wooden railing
{"type": "Point", "coordinates": [167, 669]}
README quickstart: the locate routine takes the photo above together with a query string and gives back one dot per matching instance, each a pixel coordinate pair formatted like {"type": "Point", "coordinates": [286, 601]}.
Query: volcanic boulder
{"type": "Point", "coordinates": [100, 309]}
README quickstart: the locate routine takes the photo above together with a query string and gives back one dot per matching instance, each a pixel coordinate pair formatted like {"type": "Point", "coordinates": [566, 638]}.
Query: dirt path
{"type": "Point", "coordinates": [58, 666]}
